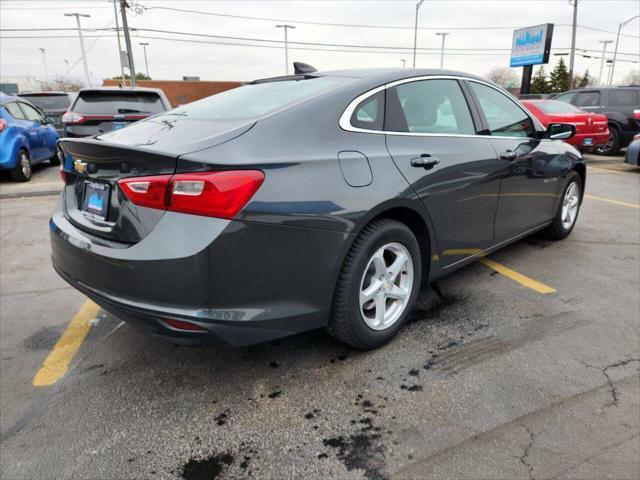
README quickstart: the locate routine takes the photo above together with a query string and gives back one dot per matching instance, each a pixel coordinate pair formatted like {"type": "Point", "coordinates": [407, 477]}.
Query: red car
{"type": "Point", "coordinates": [591, 128]}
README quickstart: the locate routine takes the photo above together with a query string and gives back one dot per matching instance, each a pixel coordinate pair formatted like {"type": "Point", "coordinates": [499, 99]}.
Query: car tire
{"type": "Point", "coordinates": [612, 147]}
{"type": "Point", "coordinates": [367, 269]}
{"type": "Point", "coordinates": [55, 160]}
{"type": "Point", "coordinates": [568, 210]}
{"type": "Point", "coordinates": [22, 171]}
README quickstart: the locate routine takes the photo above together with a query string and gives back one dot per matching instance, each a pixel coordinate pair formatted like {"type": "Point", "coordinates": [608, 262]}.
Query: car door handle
{"type": "Point", "coordinates": [425, 161]}
{"type": "Point", "coordinates": [509, 155]}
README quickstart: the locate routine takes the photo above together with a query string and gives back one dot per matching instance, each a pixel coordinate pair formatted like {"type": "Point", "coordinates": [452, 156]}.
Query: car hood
{"type": "Point", "coordinates": [177, 137]}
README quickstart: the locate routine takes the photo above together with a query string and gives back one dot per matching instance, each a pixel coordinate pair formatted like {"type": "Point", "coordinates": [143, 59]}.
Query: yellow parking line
{"type": "Point", "coordinates": [606, 170]}
{"type": "Point", "coordinates": [57, 363]}
{"type": "Point", "coordinates": [614, 202]}
{"type": "Point", "coordinates": [517, 277]}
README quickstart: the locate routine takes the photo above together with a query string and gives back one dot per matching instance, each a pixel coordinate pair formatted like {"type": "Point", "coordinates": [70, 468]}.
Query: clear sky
{"type": "Point", "coordinates": [257, 49]}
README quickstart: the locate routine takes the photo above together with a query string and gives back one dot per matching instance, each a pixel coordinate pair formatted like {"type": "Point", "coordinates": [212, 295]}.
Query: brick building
{"type": "Point", "coordinates": [180, 92]}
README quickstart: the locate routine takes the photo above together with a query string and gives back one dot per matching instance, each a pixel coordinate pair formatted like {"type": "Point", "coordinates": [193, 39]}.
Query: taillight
{"type": "Point", "coordinates": [3, 124]}
{"type": "Point", "coordinates": [636, 114]}
{"type": "Point", "coordinates": [63, 174]}
{"type": "Point", "coordinates": [212, 194]}
{"type": "Point", "coordinates": [70, 117]}
{"type": "Point", "coordinates": [184, 326]}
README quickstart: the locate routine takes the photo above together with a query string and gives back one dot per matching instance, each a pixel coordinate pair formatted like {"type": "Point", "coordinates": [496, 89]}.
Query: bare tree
{"type": "Point", "coordinates": [503, 76]}
{"type": "Point", "coordinates": [631, 78]}
{"type": "Point", "coordinates": [62, 84]}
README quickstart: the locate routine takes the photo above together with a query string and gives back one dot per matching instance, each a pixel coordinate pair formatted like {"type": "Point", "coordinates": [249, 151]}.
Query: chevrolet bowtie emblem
{"type": "Point", "coordinates": [79, 166]}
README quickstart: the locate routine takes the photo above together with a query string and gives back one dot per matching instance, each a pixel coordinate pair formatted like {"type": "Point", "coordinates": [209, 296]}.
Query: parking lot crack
{"type": "Point", "coordinates": [605, 371]}
{"type": "Point", "coordinates": [524, 458]}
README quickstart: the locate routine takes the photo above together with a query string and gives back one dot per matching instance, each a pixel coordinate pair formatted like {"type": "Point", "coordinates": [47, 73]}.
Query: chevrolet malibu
{"type": "Point", "coordinates": [307, 201]}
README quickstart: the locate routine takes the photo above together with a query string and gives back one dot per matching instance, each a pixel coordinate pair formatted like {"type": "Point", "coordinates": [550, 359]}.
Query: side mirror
{"type": "Point", "coordinates": [560, 131]}
{"type": "Point", "coordinates": [49, 121]}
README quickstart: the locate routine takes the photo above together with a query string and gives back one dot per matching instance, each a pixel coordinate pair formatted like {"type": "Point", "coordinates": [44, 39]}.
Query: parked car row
{"type": "Point", "coordinates": [32, 122]}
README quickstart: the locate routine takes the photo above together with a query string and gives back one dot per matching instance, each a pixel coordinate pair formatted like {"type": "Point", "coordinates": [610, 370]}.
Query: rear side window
{"type": "Point", "coordinates": [565, 97]}
{"type": "Point", "coordinates": [587, 99]}
{"type": "Point", "coordinates": [623, 98]}
{"type": "Point", "coordinates": [114, 103]}
{"type": "Point", "coordinates": [428, 106]}
{"type": "Point", "coordinates": [369, 114]}
{"type": "Point", "coordinates": [504, 116]}
{"type": "Point", "coordinates": [14, 111]}
{"type": "Point", "coordinates": [48, 102]}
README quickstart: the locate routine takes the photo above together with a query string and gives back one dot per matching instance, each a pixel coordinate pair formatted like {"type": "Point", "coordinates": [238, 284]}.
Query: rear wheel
{"type": "Point", "coordinates": [567, 213]}
{"type": "Point", "coordinates": [378, 285]}
{"type": "Point", "coordinates": [22, 171]}
{"type": "Point", "coordinates": [612, 147]}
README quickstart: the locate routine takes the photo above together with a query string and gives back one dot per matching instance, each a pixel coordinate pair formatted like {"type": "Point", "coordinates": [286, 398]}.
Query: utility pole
{"type": "Point", "coordinates": [286, 45]}
{"type": "Point", "coordinates": [444, 35]}
{"type": "Point", "coordinates": [115, 11]}
{"type": "Point", "coordinates": [573, 41]}
{"type": "Point", "coordinates": [84, 54]}
{"type": "Point", "coordinates": [66, 64]}
{"type": "Point", "coordinates": [615, 52]}
{"type": "Point", "coordinates": [415, 33]}
{"type": "Point", "coordinates": [44, 62]}
{"type": "Point", "coordinates": [146, 64]}
{"type": "Point", "coordinates": [604, 51]}
{"type": "Point", "coordinates": [127, 41]}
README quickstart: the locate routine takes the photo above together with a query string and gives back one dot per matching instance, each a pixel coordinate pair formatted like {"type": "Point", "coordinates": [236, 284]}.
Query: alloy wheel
{"type": "Point", "coordinates": [385, 288]}
{"type": "Point", "coordinates": [25, 165]}
{"type": "Point", "coordinates": [570, 205]}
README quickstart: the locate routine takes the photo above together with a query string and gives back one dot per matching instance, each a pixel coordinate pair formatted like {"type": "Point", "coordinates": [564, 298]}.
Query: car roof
{"type": "Point", "coordinates": [124, 89]}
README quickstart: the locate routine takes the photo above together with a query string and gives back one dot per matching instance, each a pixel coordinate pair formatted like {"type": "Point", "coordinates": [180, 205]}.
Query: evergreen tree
{"type": "Point", "coordinates": [539, 82]}
{"type": "Point", "coordinates": [585, 80]}
{"type": "Point", "coordinates": [559, 77]}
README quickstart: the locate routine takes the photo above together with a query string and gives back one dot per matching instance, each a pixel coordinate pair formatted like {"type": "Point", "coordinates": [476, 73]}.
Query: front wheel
{"type": "Point", "coordinates": [568, 210]}
{"type": "Point", "coordinates": [377, 286]}
{"type": "Point", "coordinates": [22, 171]}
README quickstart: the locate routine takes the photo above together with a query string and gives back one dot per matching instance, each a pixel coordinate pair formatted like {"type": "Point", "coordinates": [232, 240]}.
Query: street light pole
{"type": "Point", "coordinates": [615, 52]}
{"type": "Point", "coordinates": [444, 35]}
{"type": "Point", "coordinates": [84, 55]}
{"type": "Point", "coordinates": [127, 41]}
{"type": "Point", "coordinates": [115, 11]}
{"type": "Point", "coordinates": [573, 41]}
{"type": "Point", "coordinates": [604, 51]}
{"type": "Point", "coordinates": [146, 64]}
{"type": "Point", "coordinates": [415, 33]}
{"type": "Point", "coordinates": [44, 62]}
{"type": "Point", "coordinates": [286, 45]}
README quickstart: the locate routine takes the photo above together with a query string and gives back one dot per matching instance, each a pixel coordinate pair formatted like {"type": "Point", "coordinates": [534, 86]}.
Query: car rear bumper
{"type": "Point", "coordinates": [632, 156]}
{"type": "Point", "coordinates": [578, 140]}
{"type": "Point", "coordinates": [242, 282]}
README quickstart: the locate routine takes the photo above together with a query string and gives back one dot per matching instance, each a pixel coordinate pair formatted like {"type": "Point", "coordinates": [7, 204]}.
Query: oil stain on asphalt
{"type": "Point", "coordinates": [43, 339]}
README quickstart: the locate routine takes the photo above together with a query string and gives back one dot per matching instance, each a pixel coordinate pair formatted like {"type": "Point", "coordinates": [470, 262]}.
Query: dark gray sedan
{"type": "Point", "coordinates": [321, 199]}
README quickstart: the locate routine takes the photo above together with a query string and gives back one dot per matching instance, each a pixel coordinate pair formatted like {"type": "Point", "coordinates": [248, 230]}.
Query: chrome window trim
{"type": "Point", "coordinates": [345, 118]}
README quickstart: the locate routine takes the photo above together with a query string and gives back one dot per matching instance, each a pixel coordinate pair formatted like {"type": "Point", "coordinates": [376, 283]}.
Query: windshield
{"type": "Point", "coordinates": [253, 100]}
{"type": "Point", "coordinates": [48, 102]}
{"type": "Point", "coordinates": [554, 106]}
{"type": "Point", "coordinates": [117, 102]}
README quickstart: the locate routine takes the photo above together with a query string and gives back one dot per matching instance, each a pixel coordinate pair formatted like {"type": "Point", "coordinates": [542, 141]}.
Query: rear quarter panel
{"type": "Point", "coordinates": [11, 141]}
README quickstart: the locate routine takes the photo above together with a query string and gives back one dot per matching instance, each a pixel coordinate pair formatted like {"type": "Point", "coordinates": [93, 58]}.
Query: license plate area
{"type": "Point", "coordinates": [119, 125]}
{"type": "Point", "coordinates": [587, 142]}
{"type": "Point", "coordinates": [95, 200]}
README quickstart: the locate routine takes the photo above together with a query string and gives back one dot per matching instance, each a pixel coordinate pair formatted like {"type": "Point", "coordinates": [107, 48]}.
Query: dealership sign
{"type": "Point", "coordinates": [531, 45]}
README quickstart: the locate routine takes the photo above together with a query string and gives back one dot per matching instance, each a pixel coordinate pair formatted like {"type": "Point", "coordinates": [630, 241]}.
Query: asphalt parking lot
{"type": "Point", "coordinates": [491, 378]}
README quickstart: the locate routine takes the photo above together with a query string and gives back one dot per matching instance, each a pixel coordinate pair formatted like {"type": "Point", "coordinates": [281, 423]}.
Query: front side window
{"type": "Point", "coordinates": [504, 116]}
{"type": "Point", "coordinates": [14, 111]}
{"type": "Point", "coordinates": [31, 113]}
{"type": "Point", "coordinates": [587, 99]}
{"type": "Point", "coordinates": [428, 106]}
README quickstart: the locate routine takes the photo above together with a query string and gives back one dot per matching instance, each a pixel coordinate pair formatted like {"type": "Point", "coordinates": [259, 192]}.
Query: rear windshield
{"type": "Point", "coordinates": [554, 106]}
{"type": "Point", "coordinates": [252, 101]}
{"type": "Point", "coordinates": [113, 103]}
{"type": "Point", "coordinates": [49, 102]}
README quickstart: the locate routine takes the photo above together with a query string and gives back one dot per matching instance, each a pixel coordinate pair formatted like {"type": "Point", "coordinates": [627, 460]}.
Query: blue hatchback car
{"type": "Point", "coordinates": [27, 137]}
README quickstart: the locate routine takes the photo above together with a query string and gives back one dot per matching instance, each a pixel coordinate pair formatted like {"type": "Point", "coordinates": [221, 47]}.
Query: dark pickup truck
{"type": "Point", "coordinates": [621, 105]}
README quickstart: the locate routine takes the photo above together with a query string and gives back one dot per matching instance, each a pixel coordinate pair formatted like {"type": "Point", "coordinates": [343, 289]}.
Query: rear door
{"type": "Point", "coordinates": [37, 138]}
{"type": "Point", "coordinates": [433, 141]}
{"type": "Point", "coordinates": [530, 167]}
{"type": "Point", "coordinates": [100, 111]}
